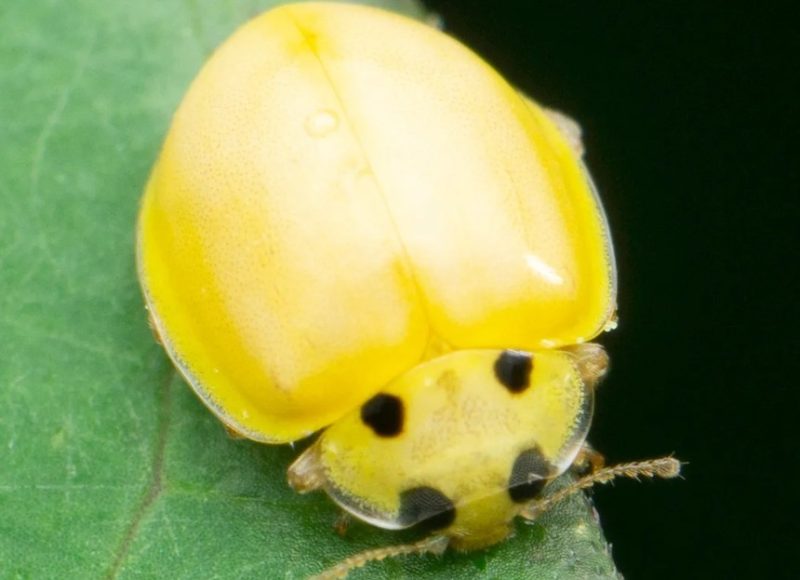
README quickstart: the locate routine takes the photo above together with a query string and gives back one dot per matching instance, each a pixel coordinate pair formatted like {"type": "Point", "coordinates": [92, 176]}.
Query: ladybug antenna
{"type": "Point", "coordinates": [664, 467]}
{"type": "Point", "coordinates": [431, 545]}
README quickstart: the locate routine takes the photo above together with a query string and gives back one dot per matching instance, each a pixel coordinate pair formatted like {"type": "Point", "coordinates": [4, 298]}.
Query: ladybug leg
{"type": "Point", "coordinates": [435, 20]}
{"type": "Point", "coordinates": [233, 433]}
{"type": "Point", "coordinates": [569, 128]}
{"type": "Point", "coordinates": [306, 473]}
{"type": "Point", "coordinates": [589, 460]}
{"type": "Point", "coordinates": [342, 523]}
{"type": "Point", "coordinates": [151, 322]}
{"type": "Point", "coordinates": [566, 125]}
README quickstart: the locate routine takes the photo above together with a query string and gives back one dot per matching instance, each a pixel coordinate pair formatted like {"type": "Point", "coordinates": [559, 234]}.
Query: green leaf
{"type": "Point", "coordinates": [110, 466]}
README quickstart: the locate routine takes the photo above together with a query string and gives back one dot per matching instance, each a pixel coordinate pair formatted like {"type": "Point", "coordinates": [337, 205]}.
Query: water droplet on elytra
{"type": "Point", "coordinates": [322, 123]}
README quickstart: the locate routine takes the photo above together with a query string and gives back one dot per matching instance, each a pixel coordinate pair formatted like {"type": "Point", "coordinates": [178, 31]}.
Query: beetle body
{"type": "Point", "coordinates": [350, 204]}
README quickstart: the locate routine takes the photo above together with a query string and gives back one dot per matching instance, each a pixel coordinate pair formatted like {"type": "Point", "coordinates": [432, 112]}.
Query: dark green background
{"type": "Point", "coordinates": [689, 125]}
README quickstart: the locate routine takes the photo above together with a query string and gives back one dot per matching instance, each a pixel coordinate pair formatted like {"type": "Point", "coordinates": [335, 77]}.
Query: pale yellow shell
{"type": "Point", "coordinates": [345, 193]}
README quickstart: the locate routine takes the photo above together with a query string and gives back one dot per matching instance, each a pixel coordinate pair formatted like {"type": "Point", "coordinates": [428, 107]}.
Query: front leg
{"type": "Point", "coordinates": [342, 523]}
{"type": "Point", "coordinates": [588, 461]}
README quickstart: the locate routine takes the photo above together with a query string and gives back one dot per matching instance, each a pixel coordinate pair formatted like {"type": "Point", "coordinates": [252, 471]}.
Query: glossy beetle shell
{"type": "Point", "coordinates": [344, 194]}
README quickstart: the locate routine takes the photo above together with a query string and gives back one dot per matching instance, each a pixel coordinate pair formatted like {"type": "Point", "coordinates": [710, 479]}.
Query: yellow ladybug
{"type": "Point", "coordinates": [355, 222]}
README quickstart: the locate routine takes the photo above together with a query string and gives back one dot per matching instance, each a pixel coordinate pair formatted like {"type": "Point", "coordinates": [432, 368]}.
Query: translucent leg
{"type": "Point", "coordinates": [570, 128]}
{"type": "Point", "coordinates": [233, 433]}
{"type": "Point", "coordinates": [342, 523]}
{"type": "Point", "coordinates": [588, 461]}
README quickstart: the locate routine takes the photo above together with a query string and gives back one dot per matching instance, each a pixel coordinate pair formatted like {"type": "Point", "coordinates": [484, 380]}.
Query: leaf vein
{"type": "Point", "coordinates": [156, 485]}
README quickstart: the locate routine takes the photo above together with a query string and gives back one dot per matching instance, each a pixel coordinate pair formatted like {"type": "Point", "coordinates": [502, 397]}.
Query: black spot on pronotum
{"type": "Point", "coordinates": [513, 369]}
{"type": "Point", "coordinates": [528, 476]}
{"type": "Point", "coordinates": [383, 414]}
{"type": "Point", "coordinates": [426, 508]}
